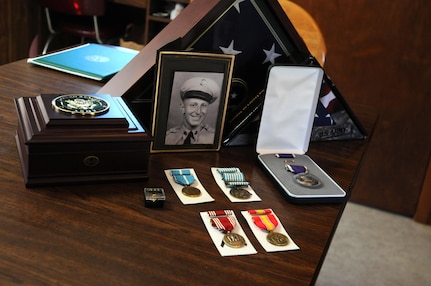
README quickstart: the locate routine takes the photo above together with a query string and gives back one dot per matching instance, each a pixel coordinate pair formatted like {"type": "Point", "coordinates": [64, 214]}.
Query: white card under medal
{"type": "Point", "coordinates": [261, 235]}
{"type": "Point", "coordinates": [203, 198]}
{"type": "Point", "coordinates": [226, 190]}
{"type": "Point", "coordinates": [217, 237]}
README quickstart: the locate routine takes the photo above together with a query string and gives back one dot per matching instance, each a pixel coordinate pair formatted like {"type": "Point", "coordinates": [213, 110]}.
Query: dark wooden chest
{"type": "Point", "coordinates": [60, 148]}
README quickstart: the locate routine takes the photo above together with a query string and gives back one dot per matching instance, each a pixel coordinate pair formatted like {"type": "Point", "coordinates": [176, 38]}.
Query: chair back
{"type": "Point", "coordinates": [307, 28]}
{"type": "Point", "coordinates": [76, 7]}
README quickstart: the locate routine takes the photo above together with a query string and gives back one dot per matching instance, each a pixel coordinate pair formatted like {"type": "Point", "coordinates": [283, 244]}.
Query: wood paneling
{"type": "Point", "coordinates": [379, 55]}
{"type": "Point", "coordinates": [18, 26]}
{"type": "Point", "coordinates": [423, 211]}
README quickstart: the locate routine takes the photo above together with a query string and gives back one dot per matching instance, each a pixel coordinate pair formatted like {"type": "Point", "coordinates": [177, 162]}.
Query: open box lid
{"type": "Point", "coordinates": [289, 108]}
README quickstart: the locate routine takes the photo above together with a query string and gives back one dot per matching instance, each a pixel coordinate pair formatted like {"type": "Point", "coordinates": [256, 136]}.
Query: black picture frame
{"type": "Point", "coordinates": [184, 78]}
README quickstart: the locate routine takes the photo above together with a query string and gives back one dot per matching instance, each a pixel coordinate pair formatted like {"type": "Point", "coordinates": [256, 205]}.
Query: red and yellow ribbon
{"type": "Point", "coordinates": [264, 219]}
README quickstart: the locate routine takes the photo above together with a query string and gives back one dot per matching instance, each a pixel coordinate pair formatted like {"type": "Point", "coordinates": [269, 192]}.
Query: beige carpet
{"type": "Point", "coordinates": [373, 247]}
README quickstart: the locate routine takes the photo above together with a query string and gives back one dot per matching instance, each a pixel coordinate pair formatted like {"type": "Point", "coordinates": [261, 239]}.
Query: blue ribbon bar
{"type": "Point", "coordinates": [228, 170]}
{"type": "Point", "coordinates": [237, 184]}
{"type": "Point", "coordinates": [180, 172]}
{"type": "Point", "coordinates": [185, 180]}
{"type": "Point", "coordinates": [233, 177]}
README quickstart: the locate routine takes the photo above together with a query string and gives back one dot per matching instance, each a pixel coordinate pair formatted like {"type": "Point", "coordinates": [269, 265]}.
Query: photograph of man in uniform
{"type": "Point", "coordinates": [193, 109]}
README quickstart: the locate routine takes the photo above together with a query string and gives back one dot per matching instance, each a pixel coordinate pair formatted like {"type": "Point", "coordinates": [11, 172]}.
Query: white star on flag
{"type": "Point", "coordinates": [229, 50]}
{"type": "Point", "coordinates": [326, 99]}
{"type": "Point", "coordinates": [327, 116]}
{"type": "Point", "coordinates": [271, 55]}
{"type": "Point", "coordinates": [237, 5]}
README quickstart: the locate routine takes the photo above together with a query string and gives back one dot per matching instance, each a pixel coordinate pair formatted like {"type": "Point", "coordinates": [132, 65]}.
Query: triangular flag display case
{"type": "Point", "coordinates": [260, 35]}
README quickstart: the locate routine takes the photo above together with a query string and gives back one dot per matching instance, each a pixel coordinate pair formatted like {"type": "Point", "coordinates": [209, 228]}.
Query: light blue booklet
{"type": "Point", "coordinates": [95, 61]}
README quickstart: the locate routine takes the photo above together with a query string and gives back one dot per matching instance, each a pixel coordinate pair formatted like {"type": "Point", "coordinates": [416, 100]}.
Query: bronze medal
{"type": "Point", "coordinates": [277, 239]}
{"type": "Point", "coordinates": [185, 178]}
{"type": "Point", "coordinates": [266, 220]}
{"type": "Point", "coordinates": [234, 240]}
{"type": "Point", "coordinates": [240, 193]}
{"type": "Point", "coordinates": [191, 191]}
{"type": "Point", "coordinates": [225, 221]}
{"type": "Point", "coordinates": [307, 180]}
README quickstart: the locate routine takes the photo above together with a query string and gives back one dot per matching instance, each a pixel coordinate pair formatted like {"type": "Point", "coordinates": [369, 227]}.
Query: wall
{"type": "Point", "coordinates": [18, 25]}
{"type": "Point", "coordinates": [379, 55]}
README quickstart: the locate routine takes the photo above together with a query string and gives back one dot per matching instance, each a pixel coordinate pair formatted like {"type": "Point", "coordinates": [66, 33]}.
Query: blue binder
{"type": "Point", "coordinates": [94, 61]}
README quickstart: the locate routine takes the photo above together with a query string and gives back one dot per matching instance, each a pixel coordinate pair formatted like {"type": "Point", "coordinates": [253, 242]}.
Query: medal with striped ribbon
{"type": "Point", "coordinates": [266, 220]}
{"type": "Point", "coordinates": [185, 178]}
{"type": "Point", "coordinates": [235, 180]}
{"type": "Point", "coordinates": [224, 221]}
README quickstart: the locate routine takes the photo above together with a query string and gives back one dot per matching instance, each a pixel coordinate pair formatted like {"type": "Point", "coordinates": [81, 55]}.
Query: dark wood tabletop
{"type": "Point", "coordinates": [102, 234]}
{"type": "Point", "coordinates": [135, 3]}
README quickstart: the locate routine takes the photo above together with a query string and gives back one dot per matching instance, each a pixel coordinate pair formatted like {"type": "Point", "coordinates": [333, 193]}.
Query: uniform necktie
{"type": "Point", "coordinates": [189, 136]}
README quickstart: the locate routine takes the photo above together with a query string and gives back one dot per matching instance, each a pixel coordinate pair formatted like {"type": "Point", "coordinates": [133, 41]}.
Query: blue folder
{"type": "Point", "coordinates": [94, 61]}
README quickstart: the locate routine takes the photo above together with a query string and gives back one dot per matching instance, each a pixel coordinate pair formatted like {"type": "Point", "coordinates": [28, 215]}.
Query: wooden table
{"type": "Point", "coordinates": [134, 3]}
{"type": "Point", "coordinates": [103, 235]}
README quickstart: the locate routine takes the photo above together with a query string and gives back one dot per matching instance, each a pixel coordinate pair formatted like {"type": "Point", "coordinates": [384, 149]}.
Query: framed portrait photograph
{"type": "Point", "coordinates": [190, 101]}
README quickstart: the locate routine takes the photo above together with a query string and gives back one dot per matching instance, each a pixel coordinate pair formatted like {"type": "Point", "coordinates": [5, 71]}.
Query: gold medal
{"type": "Point", "coordinates": [307, 180]}
{"type": "Point", "coordinates": [185, 178]}
{"type": "Point", "coordinates": [240, 193]}
{"type": "Point", "coordinates": [234, 240]}
{"type": "Point", "coordinates": [225, 221]}
{"type": "Point", "coordinates": [191, 191]}
{"type": "Point", "coordinates": [80, 104]}
{"type": "Point", "coordinates": [277, 238]}
{"type": "Point", "coordinates": [266, 220]}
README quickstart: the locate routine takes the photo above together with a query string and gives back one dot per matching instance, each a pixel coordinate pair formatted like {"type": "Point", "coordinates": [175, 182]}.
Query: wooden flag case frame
{"type": "Point", "coordinates": [135, 83]}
